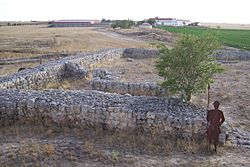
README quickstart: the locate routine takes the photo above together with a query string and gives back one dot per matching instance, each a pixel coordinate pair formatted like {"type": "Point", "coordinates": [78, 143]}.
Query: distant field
{"type": "Point", "coordinates": [33, 41]}
{"type": "Point", "coordinates": [229, 37]}
{"type": "Point", "coordinates": [227, 26]}
{"type": "Point", "coordinates": [29, 41]}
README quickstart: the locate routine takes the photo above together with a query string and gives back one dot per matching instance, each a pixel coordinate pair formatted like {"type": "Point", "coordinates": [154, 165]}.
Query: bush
{"type": "Point", "coordinates": [122, 24]}
{"type": "Point", "coordinates": [189, 67]}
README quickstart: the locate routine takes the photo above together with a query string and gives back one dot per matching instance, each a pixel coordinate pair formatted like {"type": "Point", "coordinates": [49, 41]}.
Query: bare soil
{"type": "Point", "coordinates": [133, 70]}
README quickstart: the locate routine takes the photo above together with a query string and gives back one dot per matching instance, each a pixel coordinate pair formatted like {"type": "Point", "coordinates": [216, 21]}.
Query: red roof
{"type": "Point", "coordinates": [157, 18]}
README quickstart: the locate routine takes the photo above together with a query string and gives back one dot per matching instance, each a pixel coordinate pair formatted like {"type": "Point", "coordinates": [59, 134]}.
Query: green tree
{"type": "Point", "coordinates": [122, 24]}
{"type": "Point", "coordinates": [151, 21]}
{"type": "Point", "coordinates": [105, 21]}
{"type": "Point", "coordinates": [188, 67]}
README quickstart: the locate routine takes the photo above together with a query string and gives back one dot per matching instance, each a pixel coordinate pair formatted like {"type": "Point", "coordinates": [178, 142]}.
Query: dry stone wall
{"type": "Point", "coordinates": [232, 55]}
{"type": "Point", "coordinates": [55, 71]}
{"type": "Point", "coordinates": [163, 115]}
{"type": "Point", "coordinates": [136, 89]}
{"type": "Point", "coordinates": [137, 53]}
{"type": "Point", "coordinates": [78, 65]}
{"type": "Point", "coordinates": [222, 54]}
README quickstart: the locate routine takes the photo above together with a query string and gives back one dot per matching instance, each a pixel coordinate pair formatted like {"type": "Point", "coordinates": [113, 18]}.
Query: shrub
{"type": "Point", "coordinates": [189, 67]}
{"type": "Point", "coordinates": [122, 24]}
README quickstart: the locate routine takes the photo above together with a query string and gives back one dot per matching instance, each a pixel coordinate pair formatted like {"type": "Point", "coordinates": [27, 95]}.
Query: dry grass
{"type": "Point", "coordinates": [29, 41]}
{"type": "Point", "coordinates": [13, 68]}
{"type": "Point", "coordinates": [91, 146]}
{"type": "Point", "coordinates": [232, 90]}
{"type": "Point", "coordinates": [61, 85]}
{"type": "Point", "coordinates": [137, 70]}
{"type": "Point", "coordinates": [227, 26]}
{"type": "Point", "coordinates": [72, 84]}
{"type": "Point", "coordinates": [10, 54]}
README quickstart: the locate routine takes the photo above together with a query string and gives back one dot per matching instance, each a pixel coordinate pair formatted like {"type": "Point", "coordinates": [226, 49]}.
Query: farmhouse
{"type": "Point", "coordinates": [74, 23]}
{"type": "Point", "coordinates": [171, 22]}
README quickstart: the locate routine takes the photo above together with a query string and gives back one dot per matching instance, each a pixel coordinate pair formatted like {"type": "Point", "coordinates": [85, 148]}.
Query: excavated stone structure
{"type": "Point", "coordinates": [21, 98]}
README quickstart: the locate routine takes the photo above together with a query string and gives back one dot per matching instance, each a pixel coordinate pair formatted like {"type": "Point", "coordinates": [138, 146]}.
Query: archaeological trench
{"type": "Point", "coordinates": [109, 103]}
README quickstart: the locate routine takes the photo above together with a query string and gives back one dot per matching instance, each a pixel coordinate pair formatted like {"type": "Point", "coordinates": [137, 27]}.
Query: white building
{"type": "Point", "coordinates": [171, 22]}
{"type": "Point", "coordinates": [145, 25]}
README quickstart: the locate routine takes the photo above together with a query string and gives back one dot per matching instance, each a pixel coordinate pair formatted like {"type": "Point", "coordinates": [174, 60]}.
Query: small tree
{"type": "Point", "coordinates": [126, 24]}
{"type": "Point", "coordinates": [151, 21]}
{"type": "Point", "coordinates": [188, 67]}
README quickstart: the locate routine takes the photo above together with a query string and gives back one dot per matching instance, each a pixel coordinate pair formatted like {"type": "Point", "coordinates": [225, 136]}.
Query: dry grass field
{"type": "Point", "coordinates": [227, 26]}
{"type": "Point", "coordinates": [39, 40]}
{"type": "Point", "coordinates": [31, 41]}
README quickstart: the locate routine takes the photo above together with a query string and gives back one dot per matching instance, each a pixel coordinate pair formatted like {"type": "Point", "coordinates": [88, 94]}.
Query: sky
{"type": "Point", "coordinates": [217, 11]}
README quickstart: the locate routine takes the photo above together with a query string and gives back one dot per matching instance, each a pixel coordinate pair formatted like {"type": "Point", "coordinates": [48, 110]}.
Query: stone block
{"type": "Point", "coordinates": [150, 115]}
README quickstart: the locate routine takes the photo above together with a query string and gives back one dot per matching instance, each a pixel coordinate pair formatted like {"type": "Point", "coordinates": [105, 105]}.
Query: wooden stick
{"type": "Point", "coordinates": [208, 96]}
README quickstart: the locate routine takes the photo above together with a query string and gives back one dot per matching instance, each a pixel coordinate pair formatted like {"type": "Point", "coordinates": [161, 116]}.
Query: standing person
{"type": "Point", "coordinates": [215, 119]}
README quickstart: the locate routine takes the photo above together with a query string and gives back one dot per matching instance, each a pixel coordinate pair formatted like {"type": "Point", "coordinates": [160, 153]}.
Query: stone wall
{"type": "Point", "coordinates": [138, 53]}
{"type": "Point", "coordinates": [78, 65]}
{"type": "Point", "coordinates": [161, 115]}
{"type": "Point", "coordinates": [232, 55]}
{"type": "Point", "coordinates": [135, 89]}
{"type": "Point", "coordinates": [223, 54]}
{"type": "Point", "coordinates": [34, 78]}
{"type": "Point", "coordinates": [55, 71]}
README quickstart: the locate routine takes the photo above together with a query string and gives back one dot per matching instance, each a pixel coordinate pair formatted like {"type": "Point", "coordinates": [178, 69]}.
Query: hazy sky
{"type": "Point", "coordinates": [226, 11]}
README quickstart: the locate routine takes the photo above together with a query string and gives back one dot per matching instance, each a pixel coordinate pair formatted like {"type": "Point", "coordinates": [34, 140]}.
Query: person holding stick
{"type": "Point", "coordinates": [215, 119]}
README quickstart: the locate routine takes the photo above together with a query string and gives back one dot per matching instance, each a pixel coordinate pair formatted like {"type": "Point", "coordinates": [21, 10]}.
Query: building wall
{"type": "Point", "coordinates": [79, 25]}
{"type": "Point", "coordinates": [145, 26]}
{"type": "Point", "coordinates": [173, 22]}
{"type": "Point", "coordinates": [167, 22]}
{"type": "Point", "coordinates": [70, 24]}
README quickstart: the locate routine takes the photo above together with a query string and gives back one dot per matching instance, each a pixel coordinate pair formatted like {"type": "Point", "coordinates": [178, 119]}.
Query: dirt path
{"type": "Point", "coordinates": [139, 34]}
